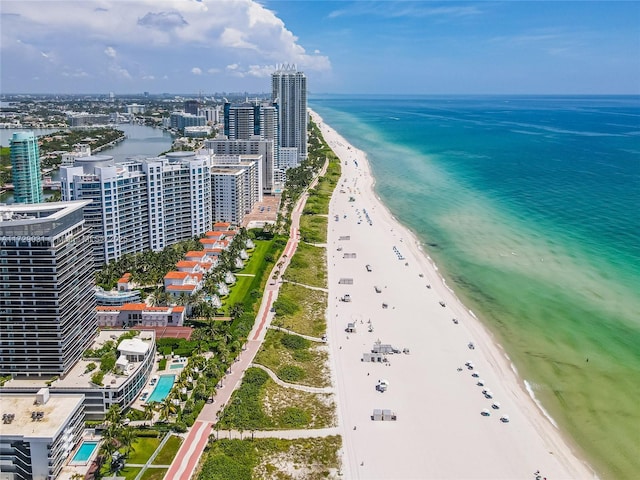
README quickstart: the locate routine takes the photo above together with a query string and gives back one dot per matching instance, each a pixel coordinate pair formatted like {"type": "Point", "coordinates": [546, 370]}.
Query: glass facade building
{"type": "Point", "coordinates": [25, 168]}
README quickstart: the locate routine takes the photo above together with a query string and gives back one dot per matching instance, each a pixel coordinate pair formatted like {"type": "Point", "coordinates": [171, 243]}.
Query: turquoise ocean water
{"type": "Point", "coordinates": [530, 206]}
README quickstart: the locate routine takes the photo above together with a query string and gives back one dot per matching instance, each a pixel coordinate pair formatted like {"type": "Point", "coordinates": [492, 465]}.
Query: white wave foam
{"type": "Point", "coordinates": [538, 404]}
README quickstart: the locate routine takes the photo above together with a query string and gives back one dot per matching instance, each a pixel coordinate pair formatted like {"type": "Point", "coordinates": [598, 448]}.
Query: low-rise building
{"type": "Point", "coordinates": [135, 315]}
{"type": "Point", "coordinates": [119, 387]}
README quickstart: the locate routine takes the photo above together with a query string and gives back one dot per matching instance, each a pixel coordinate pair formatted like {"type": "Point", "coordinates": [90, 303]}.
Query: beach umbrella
{"type": "Point", "coordinates": [485, 412]}
{"type": "Point", "coordinates": [504, 419]}
{"type": "Point", "coordinates": [495, 405]}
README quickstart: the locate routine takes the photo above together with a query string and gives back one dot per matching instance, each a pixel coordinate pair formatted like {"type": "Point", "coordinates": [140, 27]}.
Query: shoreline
{"type": "Point", "coordinates": [529, 447]}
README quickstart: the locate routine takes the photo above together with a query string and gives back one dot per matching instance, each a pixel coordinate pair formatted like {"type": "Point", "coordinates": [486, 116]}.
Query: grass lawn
{"type": "Point", "coordinates": [313, 228]}
{"type": "Point", "coordinates": [239, 291]}
{"type": "Point", "coordinates": [142, 448]}
{"type": "Point", "coordinates": [154, 473]}
{"type": "Point", "coordinates": [301, 309]}
{"type": "Point", "coordinates": [257, 257]}
{"type": "Point", "coordinates": [310, 458]}
{"type": "Point", "coordinates": [168, 452]}
{"type": "Point", "coordinates": [310, 364]}
{"type": "Point", "coordinates": [129, 473]}
{"type": "Point", "coordinates": [308, 266]}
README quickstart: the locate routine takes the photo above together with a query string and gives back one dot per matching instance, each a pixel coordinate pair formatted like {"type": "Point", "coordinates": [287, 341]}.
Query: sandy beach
{"type": "Point", "coordinates": [440, 431]}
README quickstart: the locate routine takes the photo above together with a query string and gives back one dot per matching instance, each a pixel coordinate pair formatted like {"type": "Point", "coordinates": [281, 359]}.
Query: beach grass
{"type": "Point", "coordinates": [168, 452]}
{"type": "Point", "coordinates": [308, 266]}
{"type": "Point", "coordinates": [311, 359]}
{"type": "Point", "coordinates": [261, 404]}
{"type": "Point", "coordinates": [311, 458]}
{"type": "Point", "coordinates": [301, 310]}
{"type": "Point", "coordinates": [313, 228]}
{"type": "Point", "coordinates": [294, 409]}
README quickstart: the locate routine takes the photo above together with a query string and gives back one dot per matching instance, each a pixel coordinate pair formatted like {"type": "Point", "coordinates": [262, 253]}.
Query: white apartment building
{"type": "Point", "coordinates": [38, 433]}
{"type": "Point", "coordinates": [121, 387]}
{"type": "Point", "coordinates": [228, 191]}
{"type": "Point", "coordinates": [118, 214]}
{"type": "Point", "coordinates": [252, 167]}
{"type": "Point", "coordinates": [179, 197]}
{"type": "Point", "coordinates": [141, 204]}
{"type": "Point", "coordinates": [265, 148]}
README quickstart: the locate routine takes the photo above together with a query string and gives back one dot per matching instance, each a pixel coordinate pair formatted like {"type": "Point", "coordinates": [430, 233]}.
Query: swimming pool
{"type": "Point", "coordinates": [84, 453]}
{"type": "Point", "coordinates": [176, 365]}
{"type": "Point", "coordinates": [163, 387]}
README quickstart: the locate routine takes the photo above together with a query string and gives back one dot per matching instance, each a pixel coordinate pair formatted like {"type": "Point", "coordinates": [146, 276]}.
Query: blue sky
{"type": "Point", "coordinates": [400, 47]}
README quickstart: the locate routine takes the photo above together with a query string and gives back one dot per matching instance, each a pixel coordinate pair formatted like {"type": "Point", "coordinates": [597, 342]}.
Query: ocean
{"type": "Point", "coordinates": [530, 206]}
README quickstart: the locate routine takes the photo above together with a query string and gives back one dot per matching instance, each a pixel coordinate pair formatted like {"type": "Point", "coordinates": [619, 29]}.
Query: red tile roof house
{"type": "Point", "coordinates": [178, 282]}
{"type": "Point", "coordinates": [140, 314]}
{"type": "Point", "coordinates": [221, 226]}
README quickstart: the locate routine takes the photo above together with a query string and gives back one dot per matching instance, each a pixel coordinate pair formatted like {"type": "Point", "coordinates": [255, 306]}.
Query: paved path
{"type": "Point", "coordinates": [188, 456]}
{"type": "Point", "coordinates": [295, 386]}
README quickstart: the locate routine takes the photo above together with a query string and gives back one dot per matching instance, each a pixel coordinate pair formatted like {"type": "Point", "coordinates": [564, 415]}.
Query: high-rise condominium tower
{"type": "Point", "coordinates": [25, 168]}
{"type": "Point", "coordinates": [289, 92]}
{"type": "Point", "coordinates": [47, 302]}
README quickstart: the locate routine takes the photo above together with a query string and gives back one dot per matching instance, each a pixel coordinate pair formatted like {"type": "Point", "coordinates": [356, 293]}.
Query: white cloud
{"type": "Point", "coordinates": [153, 37]}
{"type": "Point", "coordinates": [196, 71]}
{"type": "Point", "coordinates": [260, 71]}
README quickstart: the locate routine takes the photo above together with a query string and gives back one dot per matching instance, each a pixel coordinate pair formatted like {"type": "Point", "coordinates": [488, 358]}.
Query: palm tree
{"type": "Point", "coordinates": [126, 438]}
{"type": "Point", "coordinates": [114, 414]}
{"type": "Point", "coordinates": [167, 408]}
{"type": "Point", "coordinates": [237, 310]}
{"type": "Point", "coordinates": [148, 410]}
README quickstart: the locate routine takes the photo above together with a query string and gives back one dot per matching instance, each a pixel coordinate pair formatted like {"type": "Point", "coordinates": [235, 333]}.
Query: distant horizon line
{"type": "Point", "coordinates": [313, 94]}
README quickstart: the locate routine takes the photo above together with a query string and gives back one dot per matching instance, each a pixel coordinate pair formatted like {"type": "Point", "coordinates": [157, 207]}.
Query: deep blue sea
{"type": "Point", "coordinates": [530, 206]}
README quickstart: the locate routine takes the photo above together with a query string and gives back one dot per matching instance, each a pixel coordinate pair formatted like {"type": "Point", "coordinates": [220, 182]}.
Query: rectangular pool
{"type": "Point", "coordinates": [176, 365]}
{"type": "Point", "coordinates": [163, 387]}
{"type": "Point", "coordinates": [84, 453]}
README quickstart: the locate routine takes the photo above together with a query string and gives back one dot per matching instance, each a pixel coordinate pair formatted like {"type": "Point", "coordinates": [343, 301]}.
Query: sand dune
{"type": "Point", "coordinates": [440, 431]}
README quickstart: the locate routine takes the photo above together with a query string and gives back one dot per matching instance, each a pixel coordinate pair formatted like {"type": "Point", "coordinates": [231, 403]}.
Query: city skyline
{"type": "Point", "coordinates": [369, 47]}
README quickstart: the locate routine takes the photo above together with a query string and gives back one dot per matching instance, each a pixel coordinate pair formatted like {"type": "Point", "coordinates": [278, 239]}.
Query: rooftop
{"type": "Point", "coordinates": [55, 413]}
